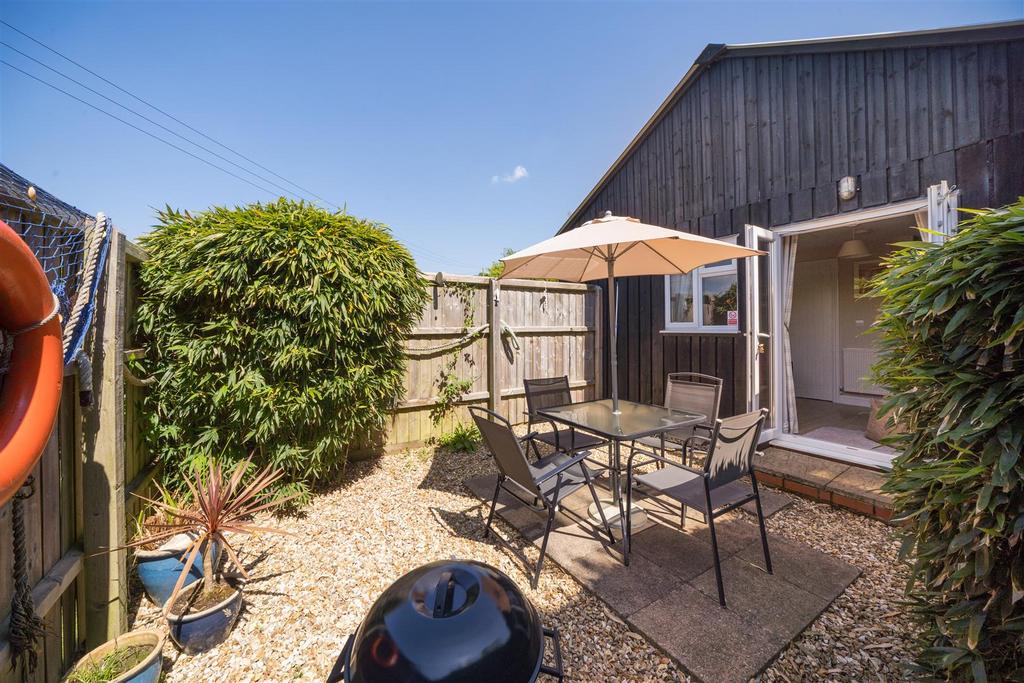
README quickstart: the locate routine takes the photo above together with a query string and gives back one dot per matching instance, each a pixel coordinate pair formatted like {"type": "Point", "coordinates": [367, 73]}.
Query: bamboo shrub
{"type": "Point", "coordinates": [275, 333]}
{"type": "Point", "coordinates": [951, 324]}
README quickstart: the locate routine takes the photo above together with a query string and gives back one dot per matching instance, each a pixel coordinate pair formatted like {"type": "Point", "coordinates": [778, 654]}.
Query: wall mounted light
{"type": "Point", "coordinates": [847, 188]}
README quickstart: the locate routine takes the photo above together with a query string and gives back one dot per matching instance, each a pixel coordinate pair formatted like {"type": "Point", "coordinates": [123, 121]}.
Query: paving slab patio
{"type": "Point", "coordinates": [668, 592]}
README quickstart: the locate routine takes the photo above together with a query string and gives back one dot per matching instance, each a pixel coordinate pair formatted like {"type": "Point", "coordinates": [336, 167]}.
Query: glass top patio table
{"type": "Point", "coordinates": [636, 419]}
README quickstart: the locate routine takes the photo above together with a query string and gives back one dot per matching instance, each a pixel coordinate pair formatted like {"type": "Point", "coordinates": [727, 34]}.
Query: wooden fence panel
{"type": "Point", "coordinates": [466, 332]}
{"type": "Point", "coordinates": [56, 528]}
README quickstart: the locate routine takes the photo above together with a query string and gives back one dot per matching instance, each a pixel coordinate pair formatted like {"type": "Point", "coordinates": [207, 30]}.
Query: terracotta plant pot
{"type": "Point", "coordinates": [146, 671]}
{"type": "Point", "coordinates": [158, 570]}
{"type": "Point", "coordinates": [196, 632]}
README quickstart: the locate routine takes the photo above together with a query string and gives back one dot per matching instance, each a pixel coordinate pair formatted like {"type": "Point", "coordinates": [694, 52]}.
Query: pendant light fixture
{"type": "Point", "coordinates": [853, 247]}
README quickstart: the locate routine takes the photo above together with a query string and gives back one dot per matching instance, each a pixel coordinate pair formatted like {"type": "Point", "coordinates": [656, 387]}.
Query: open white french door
{"type": "Point", "coordinates": [763, 321]}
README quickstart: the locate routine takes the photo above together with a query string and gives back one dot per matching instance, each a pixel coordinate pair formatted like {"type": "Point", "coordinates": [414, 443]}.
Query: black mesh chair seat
{"type": "Point", "coordinates": [549, 479]}
{"type": "Point", "coordinates": [687, 487]}
{"type": "Point", "coordinates": [716, 489]}
{"type": "Point", "coordinates": [689, 392]}
{"type": "Point", "coordinates": [551, 392]}
{"type": "Point", "coordinates": [573, 477]}
{"type": "Point", "coordinates": [564, 440]}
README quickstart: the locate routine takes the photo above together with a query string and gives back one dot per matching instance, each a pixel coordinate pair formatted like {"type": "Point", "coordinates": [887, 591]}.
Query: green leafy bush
{"type": "Point", "coordinates": [463, 439]}
{"type": "Point", "coordinates": [275, 332]}
{"type": "Point", "coordinates": [952, 323]}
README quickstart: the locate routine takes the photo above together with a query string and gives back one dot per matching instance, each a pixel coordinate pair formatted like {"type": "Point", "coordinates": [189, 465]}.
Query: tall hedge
{"type": "Point", "coordinates": [952, 324]}
{"type": "Point", "coordinates": [275, 331]}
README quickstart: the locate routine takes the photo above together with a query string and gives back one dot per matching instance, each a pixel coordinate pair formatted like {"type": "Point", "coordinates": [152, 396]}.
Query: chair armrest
{"type": "Point", "coordinates": [527, 436]}
{"type": "Point", "coordinates": [533, 418]}
{"type": "Point", "coordinates": [575, 460]}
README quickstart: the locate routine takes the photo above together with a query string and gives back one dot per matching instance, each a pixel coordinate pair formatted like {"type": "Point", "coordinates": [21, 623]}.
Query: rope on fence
{"type": "Point", "coordinates": [467, 336]}
{"type": "Point", "coordinates": [26, 629]}
{"type": "Point", "coordinates": [97, 243]}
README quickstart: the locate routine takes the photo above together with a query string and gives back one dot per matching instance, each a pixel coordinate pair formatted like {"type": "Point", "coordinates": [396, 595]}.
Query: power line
{"type": "Point", "coordinates": [146, 118]}
{"type": "Point", "coordinates": [170, 116]}
{"type": "Point", "coordinates": [141, 130]}
{"type": "Point", "coordinates": [412, 245]}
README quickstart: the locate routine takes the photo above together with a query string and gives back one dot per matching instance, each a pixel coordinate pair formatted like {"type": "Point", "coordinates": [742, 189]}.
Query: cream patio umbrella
{"type": "Point", "coordinates": [617, 245]}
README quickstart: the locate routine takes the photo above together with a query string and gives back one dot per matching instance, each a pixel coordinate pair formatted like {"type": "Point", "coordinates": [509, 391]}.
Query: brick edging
{"type": "Point", "coordinates": [825, 495]}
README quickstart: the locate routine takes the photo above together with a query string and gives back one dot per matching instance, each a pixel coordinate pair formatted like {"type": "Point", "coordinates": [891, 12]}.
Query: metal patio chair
{"type": "Point", "coordinates": [716, 489]}
{"type": "Point", "coordinates": [549, 392]}
{"type": "Point", "coordinates": [691, 392]}
{"type": "Point", "coordinates": [550, 480]}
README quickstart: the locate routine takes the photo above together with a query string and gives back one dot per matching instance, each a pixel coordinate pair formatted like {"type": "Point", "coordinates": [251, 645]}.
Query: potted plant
{"type": "Point", "coordinates": [136, 657]}
{"type": "Point", "coordinates": [158, 565]}
{"type": "Point", "coordinates": [200, 615]}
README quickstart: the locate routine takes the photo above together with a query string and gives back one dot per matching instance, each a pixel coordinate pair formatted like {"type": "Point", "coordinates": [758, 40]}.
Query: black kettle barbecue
{"type": "Point", "coordinates": [449, 622]}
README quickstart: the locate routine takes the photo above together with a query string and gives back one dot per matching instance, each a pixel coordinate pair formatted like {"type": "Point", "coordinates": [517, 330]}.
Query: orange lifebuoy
{"type": "Point", "coordinates": [30, 395]}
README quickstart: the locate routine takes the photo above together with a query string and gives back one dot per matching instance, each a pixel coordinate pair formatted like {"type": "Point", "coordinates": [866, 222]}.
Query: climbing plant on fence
{"type": "Point", "coordinates": [952, 324]}
{"type": "Point", "coordinates": [276, 332]}
{"type": "Point", "coordinates": [450, 387]}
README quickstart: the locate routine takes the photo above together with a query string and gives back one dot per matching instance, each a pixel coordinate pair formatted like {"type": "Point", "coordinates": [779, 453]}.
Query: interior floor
{"type": "Point", "coordinates": [836, 423]}
{"type": "Point", "coordinates": [813, 414]}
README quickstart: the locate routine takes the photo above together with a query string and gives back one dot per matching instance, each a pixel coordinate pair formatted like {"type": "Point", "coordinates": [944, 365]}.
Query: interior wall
{"type": "Point", "coordinates": [813, 329]}
{"type": "Point", "coordinates": [856, 314]}
{"type": "Point", "coordinates": [853, 315]}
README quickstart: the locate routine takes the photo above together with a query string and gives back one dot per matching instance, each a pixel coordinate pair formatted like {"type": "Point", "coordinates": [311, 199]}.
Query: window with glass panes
{"type": "Point", "coordinates": [706, 299]}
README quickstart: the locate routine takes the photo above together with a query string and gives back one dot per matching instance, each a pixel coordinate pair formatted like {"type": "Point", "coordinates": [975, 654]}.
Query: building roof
{"type": "Point", "coordinates": [715, 52]}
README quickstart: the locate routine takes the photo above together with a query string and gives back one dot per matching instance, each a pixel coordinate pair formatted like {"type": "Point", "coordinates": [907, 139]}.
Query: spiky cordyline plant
{"type": "Point", "coordinates": [220, 504]}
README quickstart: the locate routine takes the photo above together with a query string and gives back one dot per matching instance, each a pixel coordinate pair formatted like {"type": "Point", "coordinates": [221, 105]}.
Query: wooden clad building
{"type": "Point", "coordinates": [764, 135]}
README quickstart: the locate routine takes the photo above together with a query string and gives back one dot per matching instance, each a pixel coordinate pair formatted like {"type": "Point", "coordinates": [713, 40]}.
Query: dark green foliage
{"type": "Point", "coordinates": [463, 439]}
{"type": "Point", "coordinates": [952, 323]}
{"type": "Point", "coordinates": [275, 332]}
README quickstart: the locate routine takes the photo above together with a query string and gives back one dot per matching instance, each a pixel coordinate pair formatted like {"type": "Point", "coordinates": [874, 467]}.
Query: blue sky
{"type": "Point", "coordinates": [466, 127]}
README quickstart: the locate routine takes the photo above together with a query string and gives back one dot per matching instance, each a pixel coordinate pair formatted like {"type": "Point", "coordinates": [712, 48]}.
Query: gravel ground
{"type": "Point", "coordinates": [394, 513]}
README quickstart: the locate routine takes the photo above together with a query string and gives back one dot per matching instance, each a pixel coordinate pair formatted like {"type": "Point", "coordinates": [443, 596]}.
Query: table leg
{"type": "Point", "coordinates": [616, 475]}
{"type": "Point", "coordinates": [613, 510]}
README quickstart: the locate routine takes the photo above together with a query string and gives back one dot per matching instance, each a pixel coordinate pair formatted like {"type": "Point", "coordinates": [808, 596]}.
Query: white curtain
{"type": "Point", "coordinates": [791, 425]}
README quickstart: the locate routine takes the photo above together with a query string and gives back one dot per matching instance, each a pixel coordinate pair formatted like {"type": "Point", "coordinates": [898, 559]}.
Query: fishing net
{"type": "Point", "coordinates": [71, 246]}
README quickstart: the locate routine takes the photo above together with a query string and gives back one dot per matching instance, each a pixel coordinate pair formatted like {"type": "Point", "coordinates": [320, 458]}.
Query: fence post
{"type": "Point", "coordinates": [493, 345]}
{"type": "Point", "coordinates": [106, 581]}
{"type": "Point", "coordinates": [598, 359]}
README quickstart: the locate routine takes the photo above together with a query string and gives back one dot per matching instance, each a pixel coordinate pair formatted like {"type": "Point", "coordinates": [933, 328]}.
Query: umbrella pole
{"type": "Point", "coordinates": [612, 324]}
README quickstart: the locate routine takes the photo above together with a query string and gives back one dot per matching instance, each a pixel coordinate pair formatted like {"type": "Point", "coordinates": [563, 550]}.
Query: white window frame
{"type": "Point", "coordinates": [698, 326]}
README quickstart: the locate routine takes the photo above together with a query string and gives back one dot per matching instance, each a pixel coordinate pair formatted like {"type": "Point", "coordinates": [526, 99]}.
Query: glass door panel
{"type": "Point", "coordinates": [761, 325]}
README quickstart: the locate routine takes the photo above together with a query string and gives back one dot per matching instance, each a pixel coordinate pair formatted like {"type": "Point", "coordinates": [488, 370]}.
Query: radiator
{"type": "Point", "coordinates": [857, 364]}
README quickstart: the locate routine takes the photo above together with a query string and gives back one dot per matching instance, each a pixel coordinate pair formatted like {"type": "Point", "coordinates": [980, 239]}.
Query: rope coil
{"type": "Point", "coordinates": [7, 337]}
{"type": "Point", "coordinates": [26, 629]}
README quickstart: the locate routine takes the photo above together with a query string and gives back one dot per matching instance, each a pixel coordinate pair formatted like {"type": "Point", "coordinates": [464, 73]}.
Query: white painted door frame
{"type": "Point", "coordinates": [940, 204]}
{"type": "Point", "coordinates": [760, 341]}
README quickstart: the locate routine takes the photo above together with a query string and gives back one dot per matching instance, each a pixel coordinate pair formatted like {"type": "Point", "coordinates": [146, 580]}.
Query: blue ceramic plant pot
{"type": "Point", "coordinates": [196, 632]}
{"type": "Point", "coordinates": [146, 671]}
{"type": "Point", "coordinates": [158, 570]}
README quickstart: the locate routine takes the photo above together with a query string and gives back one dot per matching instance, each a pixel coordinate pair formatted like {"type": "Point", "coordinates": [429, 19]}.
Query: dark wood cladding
{"type": "Point", "coordinates": [764, 139]}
